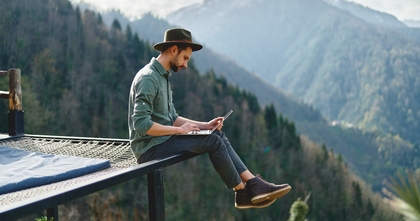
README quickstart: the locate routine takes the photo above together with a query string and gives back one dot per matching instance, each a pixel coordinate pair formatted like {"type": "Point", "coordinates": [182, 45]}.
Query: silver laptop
{"type": "Point", "coordinates": [207, 132]}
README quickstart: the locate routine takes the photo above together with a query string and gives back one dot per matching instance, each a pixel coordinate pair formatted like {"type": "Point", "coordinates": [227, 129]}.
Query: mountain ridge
{"type": "Point", "coordinates": [307, 119]}
{"type": "Point", "coordinates": [76, 75]}
{"type": "Point", "coordinates": [367, 14]}
{"type": "Point", "coordinates": [150, 29]}
{"type": "Point", "coordinates": [323, 55]}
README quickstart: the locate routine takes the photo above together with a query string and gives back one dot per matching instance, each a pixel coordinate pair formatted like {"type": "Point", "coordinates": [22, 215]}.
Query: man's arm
{"type": "Point", "coordinates": [163, 130]}
{"type": "Point", "coordinates": [182, 125]}
{"type": "Point", "coordinates": [201, 125]}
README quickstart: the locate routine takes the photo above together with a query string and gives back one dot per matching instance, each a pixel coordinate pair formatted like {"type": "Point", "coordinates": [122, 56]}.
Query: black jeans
{"type": "Point", "coordinates": [222, 155]}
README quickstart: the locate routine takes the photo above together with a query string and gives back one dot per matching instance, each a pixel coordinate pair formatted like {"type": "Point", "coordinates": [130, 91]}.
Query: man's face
{"type": "Point", "coordinates": [180, 59]}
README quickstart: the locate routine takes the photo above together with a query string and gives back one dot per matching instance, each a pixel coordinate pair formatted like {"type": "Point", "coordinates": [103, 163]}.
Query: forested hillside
{"type": "Point", "coordinates": [76, 75]}
{"type": "Point", "coordinates": [349, 69]}
{"type": "Point", "coordinates": [75, 70]}
{"type": "Point", "coordinates": [209, 60]}
{"type": "Point", "coordinates": [372, 155]}
{"type": "Point", "coordinates": [377, 18]}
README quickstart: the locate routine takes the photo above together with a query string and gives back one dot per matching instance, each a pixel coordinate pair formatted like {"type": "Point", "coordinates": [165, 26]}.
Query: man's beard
{"type": "Point", "coordinates": [174, 68]}
{"type": "Point", "coordinates": [173, 65]}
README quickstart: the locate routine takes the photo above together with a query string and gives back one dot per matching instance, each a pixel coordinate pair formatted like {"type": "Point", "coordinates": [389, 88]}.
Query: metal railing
{"type": "Point", "coordinates": [48, 197]}
{"type": "Point", "coordinates": [50, 201]}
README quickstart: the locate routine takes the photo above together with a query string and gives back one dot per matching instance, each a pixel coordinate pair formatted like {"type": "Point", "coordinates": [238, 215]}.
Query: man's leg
{"type": "Point", "coordinates": [211, 144]}
{"type": "Point", "coordinates": [256, 194]}
{"type": "Point", "coordinates": [243, 171]}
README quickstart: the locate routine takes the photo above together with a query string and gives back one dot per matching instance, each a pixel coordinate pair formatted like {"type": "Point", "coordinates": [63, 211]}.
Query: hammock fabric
{"type": "Point", "coordinates": [20, 169]}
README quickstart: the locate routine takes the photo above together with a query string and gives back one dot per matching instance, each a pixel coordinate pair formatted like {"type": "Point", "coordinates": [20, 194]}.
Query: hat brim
{"type": "Point", "coordinates": [162, 45]}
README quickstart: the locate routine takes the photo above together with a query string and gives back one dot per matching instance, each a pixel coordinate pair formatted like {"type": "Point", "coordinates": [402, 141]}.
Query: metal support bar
{"type": "Point", "coordinates": [154, 170]}
{"type": "Point", "coordinates": [15, 123]}
{"type": "Point", "coordinates": [156, 195]}
{"type": "Point", "coordinates": [4, 94]}
{"type": "Point", "coordinates": [52, 213]}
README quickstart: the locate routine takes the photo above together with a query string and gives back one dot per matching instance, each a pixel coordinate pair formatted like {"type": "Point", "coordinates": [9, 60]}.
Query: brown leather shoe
{"type": "Point", "coordinates": [260, 190]}
{"type": "Point", "coordinates": [243, 200]}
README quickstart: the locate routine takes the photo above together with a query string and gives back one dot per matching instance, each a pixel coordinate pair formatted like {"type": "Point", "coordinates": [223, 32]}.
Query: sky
{"type": "Point", "coordinates": [401, 9]}
{"type": "Point", "coordinates": [135, 8]}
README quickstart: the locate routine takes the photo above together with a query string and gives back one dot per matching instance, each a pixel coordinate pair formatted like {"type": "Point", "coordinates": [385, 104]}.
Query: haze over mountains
{"type": "Point", "coordinates": [313, 51]}
{"type": "Point", "coordinates": [371, 16]}
{"type": "Point", "coordinates": [76, 78]}
{"type": "Point", "coordinates": [350, 69]}
{"type": "Point", "coordinates": [151, 29]}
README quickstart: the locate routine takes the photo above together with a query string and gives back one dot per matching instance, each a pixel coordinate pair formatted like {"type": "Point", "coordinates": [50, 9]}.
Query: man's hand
{"type": "Point", "coordinates": [215, 122]}
{"type": "Point", "coordinates": [187, 127]}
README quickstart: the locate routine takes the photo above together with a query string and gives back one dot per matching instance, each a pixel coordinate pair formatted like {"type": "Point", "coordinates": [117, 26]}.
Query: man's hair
{"type": "Point", "coordinates": [180, 47]}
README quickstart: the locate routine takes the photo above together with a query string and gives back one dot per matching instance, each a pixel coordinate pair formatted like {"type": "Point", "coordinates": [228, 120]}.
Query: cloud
{"type": "Point", "coordinates": [136, 8]}
{"type": "Point", "coordinates": [402, 9]}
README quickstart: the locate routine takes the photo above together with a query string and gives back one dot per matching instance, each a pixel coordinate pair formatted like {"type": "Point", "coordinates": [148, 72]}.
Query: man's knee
{"type": "Point", "coordinates": [216, 143]}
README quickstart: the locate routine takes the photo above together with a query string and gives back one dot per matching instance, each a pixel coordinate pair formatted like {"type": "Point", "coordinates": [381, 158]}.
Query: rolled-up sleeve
{"type": "Point", "coordinates": [144, 94]}
{"type": "Point", "coordinates": [150, 102]}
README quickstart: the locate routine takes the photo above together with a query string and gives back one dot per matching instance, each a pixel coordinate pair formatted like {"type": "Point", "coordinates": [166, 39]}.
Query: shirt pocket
{"type": "Point", "coordinates": [160, 104]}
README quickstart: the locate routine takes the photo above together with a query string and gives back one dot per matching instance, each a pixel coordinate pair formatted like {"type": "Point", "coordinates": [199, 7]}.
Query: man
{"type": "Point", "coordinates": [155, 126]}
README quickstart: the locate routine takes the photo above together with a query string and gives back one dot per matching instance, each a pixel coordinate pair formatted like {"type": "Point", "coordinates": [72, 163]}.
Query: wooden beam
{"type": "Point", "coordinates": [15, 90]}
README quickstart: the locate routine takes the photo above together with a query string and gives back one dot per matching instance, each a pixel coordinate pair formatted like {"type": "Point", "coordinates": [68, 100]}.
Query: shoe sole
{"type": "Point", "coordinates": [270, 196]}
{"type": "Point", "coordinates": [255, 206]}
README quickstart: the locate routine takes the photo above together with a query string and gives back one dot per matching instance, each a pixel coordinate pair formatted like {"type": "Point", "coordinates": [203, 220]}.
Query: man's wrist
{"type": "Point", "coordinates": [178, 130]}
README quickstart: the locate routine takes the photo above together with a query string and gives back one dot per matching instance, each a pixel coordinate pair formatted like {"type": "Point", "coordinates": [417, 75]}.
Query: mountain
{"type": "Point", "coordinates": [358, 148]}
{"type": "Point", "coordinates": [412, 23]}
{"type": "Point", "coordinates": [347, 68]}
{"type": "Point", "coordinates": [151, 28]}
{"type": "Point", "coordinates": [76, 75]}
{"type": "Point", "coordinates": [367, 14]}
{"type": "Point", "coordinates": [408, 28]}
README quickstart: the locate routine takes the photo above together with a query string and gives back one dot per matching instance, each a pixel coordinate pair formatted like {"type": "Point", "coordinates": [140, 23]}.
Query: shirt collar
{"type": "Point", "coordinates": [160, 69]}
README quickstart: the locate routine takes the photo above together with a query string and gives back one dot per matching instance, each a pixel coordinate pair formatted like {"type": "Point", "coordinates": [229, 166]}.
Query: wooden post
{"type": "Point", "coordinates": [15, 103]}
{"type": "Point", "coordinates": [15, 90]}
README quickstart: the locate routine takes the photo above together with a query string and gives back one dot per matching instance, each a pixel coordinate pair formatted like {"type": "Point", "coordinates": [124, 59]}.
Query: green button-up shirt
{"type": "Point", "coordinates": [150, 101]}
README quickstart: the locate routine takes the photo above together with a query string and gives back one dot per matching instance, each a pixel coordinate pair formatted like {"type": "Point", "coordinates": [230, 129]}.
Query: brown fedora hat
{"type": "Point", "coordinates": [177, 36]}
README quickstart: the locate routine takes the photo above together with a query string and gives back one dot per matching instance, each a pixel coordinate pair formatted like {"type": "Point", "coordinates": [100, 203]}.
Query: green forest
{"type": "Point", "coordinates": [348, 67]}
{"type": "Point", "coordinates": [373, 155]}
{"type": "Point", "coordinates": [76, 75]}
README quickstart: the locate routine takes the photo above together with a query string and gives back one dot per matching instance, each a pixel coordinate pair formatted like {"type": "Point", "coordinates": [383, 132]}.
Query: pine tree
{"type": "Point", "coordinates": [298, 210]}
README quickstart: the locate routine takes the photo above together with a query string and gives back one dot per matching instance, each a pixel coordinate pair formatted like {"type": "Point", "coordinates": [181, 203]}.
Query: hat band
{"type": "Point", "coordinates": [182, 41]}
